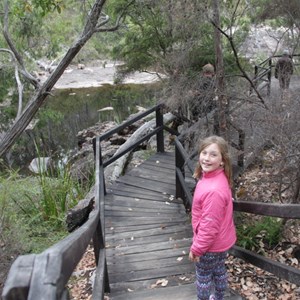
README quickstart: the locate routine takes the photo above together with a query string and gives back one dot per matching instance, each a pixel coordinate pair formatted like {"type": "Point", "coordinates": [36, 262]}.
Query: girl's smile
{"type": "Point", "coordinates": [210, 158]}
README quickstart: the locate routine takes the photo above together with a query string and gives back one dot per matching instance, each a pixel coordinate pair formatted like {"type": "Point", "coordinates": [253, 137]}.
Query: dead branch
{"type": "Point", "coordinates": [245, 75]}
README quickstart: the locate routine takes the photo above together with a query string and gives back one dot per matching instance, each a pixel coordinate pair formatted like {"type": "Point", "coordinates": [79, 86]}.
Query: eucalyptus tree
{"type": "Point", "coordinates": [96, 20]}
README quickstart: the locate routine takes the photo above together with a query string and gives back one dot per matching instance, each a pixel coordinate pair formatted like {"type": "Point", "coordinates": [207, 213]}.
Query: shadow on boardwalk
{"type": "Point", "coordinates": [148, 235]}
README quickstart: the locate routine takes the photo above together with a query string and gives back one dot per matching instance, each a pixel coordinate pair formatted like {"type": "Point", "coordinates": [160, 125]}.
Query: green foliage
{"type": "Point", "coordinates": [43, 28]}
{"type": "Point", "coordinates": [255, 234]}
{"type": "Point", "coordinates": [43, 7]}
{"type": "Point", "coordinates": [35, 216]}
{"type": "Point", "coordinates": [20, 228]}
{"type": "Point", "coordinates": [159, 34]}
{"type": "Point", "coordinates": [48, 114]}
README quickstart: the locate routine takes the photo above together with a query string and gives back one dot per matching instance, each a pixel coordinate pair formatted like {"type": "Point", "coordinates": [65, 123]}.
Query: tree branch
{"type": "Point", "coordinates": [245, 75]}
{"type": "Point", "coordinates": [19, 83]}
{"type": "Point", "coordinates": [12, 47]}
{"type": "Point", "coordinates": [118, 21]}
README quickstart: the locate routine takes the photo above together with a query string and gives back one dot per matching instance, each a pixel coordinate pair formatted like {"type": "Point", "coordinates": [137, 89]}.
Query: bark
{"type": "Point", "coordinates": [222, 100]}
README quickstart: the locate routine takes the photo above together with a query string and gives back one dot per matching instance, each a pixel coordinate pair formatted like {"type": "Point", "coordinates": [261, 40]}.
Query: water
{"type": "Point", "coordinates": [70, 111]}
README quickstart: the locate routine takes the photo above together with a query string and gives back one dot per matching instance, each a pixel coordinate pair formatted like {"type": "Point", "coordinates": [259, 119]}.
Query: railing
{"type": "Point", "coordinates": [285, 211]}
{"type": "Point", "coordinates": [263, 72]}
{"type": "Point", "coordinates": [44, 276]}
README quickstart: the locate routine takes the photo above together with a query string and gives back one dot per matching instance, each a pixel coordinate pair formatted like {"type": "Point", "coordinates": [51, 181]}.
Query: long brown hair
{"type": "Point", "coordinates": [223, 146]}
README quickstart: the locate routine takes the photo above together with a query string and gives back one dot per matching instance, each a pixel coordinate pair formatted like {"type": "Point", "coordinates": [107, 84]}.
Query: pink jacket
{"type": "Point", "coordinates": [212, 214]}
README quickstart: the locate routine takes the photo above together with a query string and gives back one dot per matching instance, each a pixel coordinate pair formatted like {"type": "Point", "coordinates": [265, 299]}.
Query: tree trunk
{"type": "Point", "coordinates": [222, 101]}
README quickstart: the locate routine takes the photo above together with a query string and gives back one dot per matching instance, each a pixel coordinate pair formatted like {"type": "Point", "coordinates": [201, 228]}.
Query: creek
{"type": "Point", "coordinates": [69, 111]}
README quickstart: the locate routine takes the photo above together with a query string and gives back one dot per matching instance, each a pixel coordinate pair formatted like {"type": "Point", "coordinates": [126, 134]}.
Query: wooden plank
{"type": "Point", "coordinates": [123, 250]}
{"type": "Point", "coordinates": [138, 191]}
{"type": "Point", "coordinates": [150, 264]}
{"type": "Point", "coordinates": [140, 210]}
{"type": "Point", "coordinates": [154, 176]}
{"type": "Point", "coordinates": [168, 155]}
{"type": "Point", "coordinates": [153, 273]}
{"type": "Point", "coordinates": [181, 292]}
{"type": "Point", "coordinates": [147, 239]}
{"type": "Point", "coordinates": [119, 288]}
{"type": "Point", "coordinates": [124, 192]}
{"type": "Point", "coordinates": [147, 184]}
{"type": "Point", "coordinates": [112, 222]}
{"type": "Point", "coordinates": [132, 211]}
{"type": "Point", "coordinates": [161, 169]}
{"type": "Point", "coordinates": [152, 183]}
{"type": "Point", "coordinates": [119, 228]}
{"type": "Point", "coordinates": [160, 158]}
{"type": "Point", "coordinates": [160, 166]}
{"type": "Point", "coordinates": [165, 203]}
{"type": "Point", "coordinates": [141, 257]}
{"type": "Point", "coordinates": [152, 232]}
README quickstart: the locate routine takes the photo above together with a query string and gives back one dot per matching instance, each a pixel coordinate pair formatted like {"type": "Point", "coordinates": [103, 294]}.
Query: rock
{"type": "Point", "coordinates": [80, 66]}
{"type": "Point", "coordinates": [40, 165]}
{"type": "Point", "coordinates": [83, 168]}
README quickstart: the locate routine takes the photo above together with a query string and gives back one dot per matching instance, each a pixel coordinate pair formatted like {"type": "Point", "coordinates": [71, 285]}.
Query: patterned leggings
{"type": "Point", "coordinates": [211, 276]}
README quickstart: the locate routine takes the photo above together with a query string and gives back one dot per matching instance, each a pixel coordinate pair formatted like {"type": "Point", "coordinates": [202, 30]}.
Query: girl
{"type": "Point", "coordinates": [212, 218]}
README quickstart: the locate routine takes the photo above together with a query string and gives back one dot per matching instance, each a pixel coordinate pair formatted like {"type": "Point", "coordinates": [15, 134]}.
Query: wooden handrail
{"type": "Point", "coordinates": [44, 276]}
{"type": "Point", "coordinates": [288, 211]}
{"type": "Point", "coordinates": [263, 71]}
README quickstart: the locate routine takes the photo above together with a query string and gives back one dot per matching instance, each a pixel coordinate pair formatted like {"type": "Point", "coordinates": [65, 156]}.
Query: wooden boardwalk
{"type": "Point", "coordinates": [148, 235]}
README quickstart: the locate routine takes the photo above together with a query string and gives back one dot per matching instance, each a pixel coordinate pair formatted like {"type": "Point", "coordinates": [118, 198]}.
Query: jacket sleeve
{"type": "Point", "coordinates": [209, 226]}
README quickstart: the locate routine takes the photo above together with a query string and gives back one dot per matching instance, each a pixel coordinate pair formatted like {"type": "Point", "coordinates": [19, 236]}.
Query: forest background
{"type": "Point", "coordinates": [173, 38]}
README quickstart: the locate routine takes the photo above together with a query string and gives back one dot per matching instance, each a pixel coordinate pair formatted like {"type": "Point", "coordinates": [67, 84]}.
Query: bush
{"type": "Point", "coordinates": [33, 209]}
{"type": "Point", "coordinates": [258, 233]}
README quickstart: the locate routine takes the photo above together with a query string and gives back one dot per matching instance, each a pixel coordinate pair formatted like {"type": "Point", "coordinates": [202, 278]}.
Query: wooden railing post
{"type": "Point", "coordinates": [179, 162]}
{"type": "Point", "coordinates": [99, 235]}
{"type": "Point", "coordinates": [241, 147]}
{"type": "Point", "coordinates": [269, 76]}
{"type": "Point", "coordinates": [160, 133]}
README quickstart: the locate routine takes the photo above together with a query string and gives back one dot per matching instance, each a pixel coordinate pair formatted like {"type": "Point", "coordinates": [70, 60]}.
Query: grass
{"type": "Point", "coordinates": [33, 209]}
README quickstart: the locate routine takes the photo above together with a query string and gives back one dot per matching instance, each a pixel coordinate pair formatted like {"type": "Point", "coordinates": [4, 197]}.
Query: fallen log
{"type": "Point", "coordinates": [113, 171]}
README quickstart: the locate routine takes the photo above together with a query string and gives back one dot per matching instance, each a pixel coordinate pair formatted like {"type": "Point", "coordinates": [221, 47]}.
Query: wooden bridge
{"type": "Point", "coordinates": [148, 235]}
{"type": "Point", "coordinates": [141, 233]}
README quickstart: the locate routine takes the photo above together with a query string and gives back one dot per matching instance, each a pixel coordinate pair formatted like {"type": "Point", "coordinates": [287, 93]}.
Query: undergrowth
{"type": "Point", "coordinates": [33, 208]}
{"type": "Point", "coordinates": [258, 233]}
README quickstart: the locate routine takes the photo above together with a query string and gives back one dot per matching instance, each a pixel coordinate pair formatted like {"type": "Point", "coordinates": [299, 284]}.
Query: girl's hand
{"type": "Point", "coordinates": [193, 257]}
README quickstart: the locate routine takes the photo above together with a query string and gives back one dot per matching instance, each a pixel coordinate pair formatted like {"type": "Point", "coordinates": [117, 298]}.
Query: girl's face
{"type": "Point", "coordinates": [210, 158]}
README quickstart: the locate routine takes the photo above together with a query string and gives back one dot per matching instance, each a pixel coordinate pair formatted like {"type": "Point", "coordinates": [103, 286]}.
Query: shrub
{"type": "Point", "coordinates": [258, 233]}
